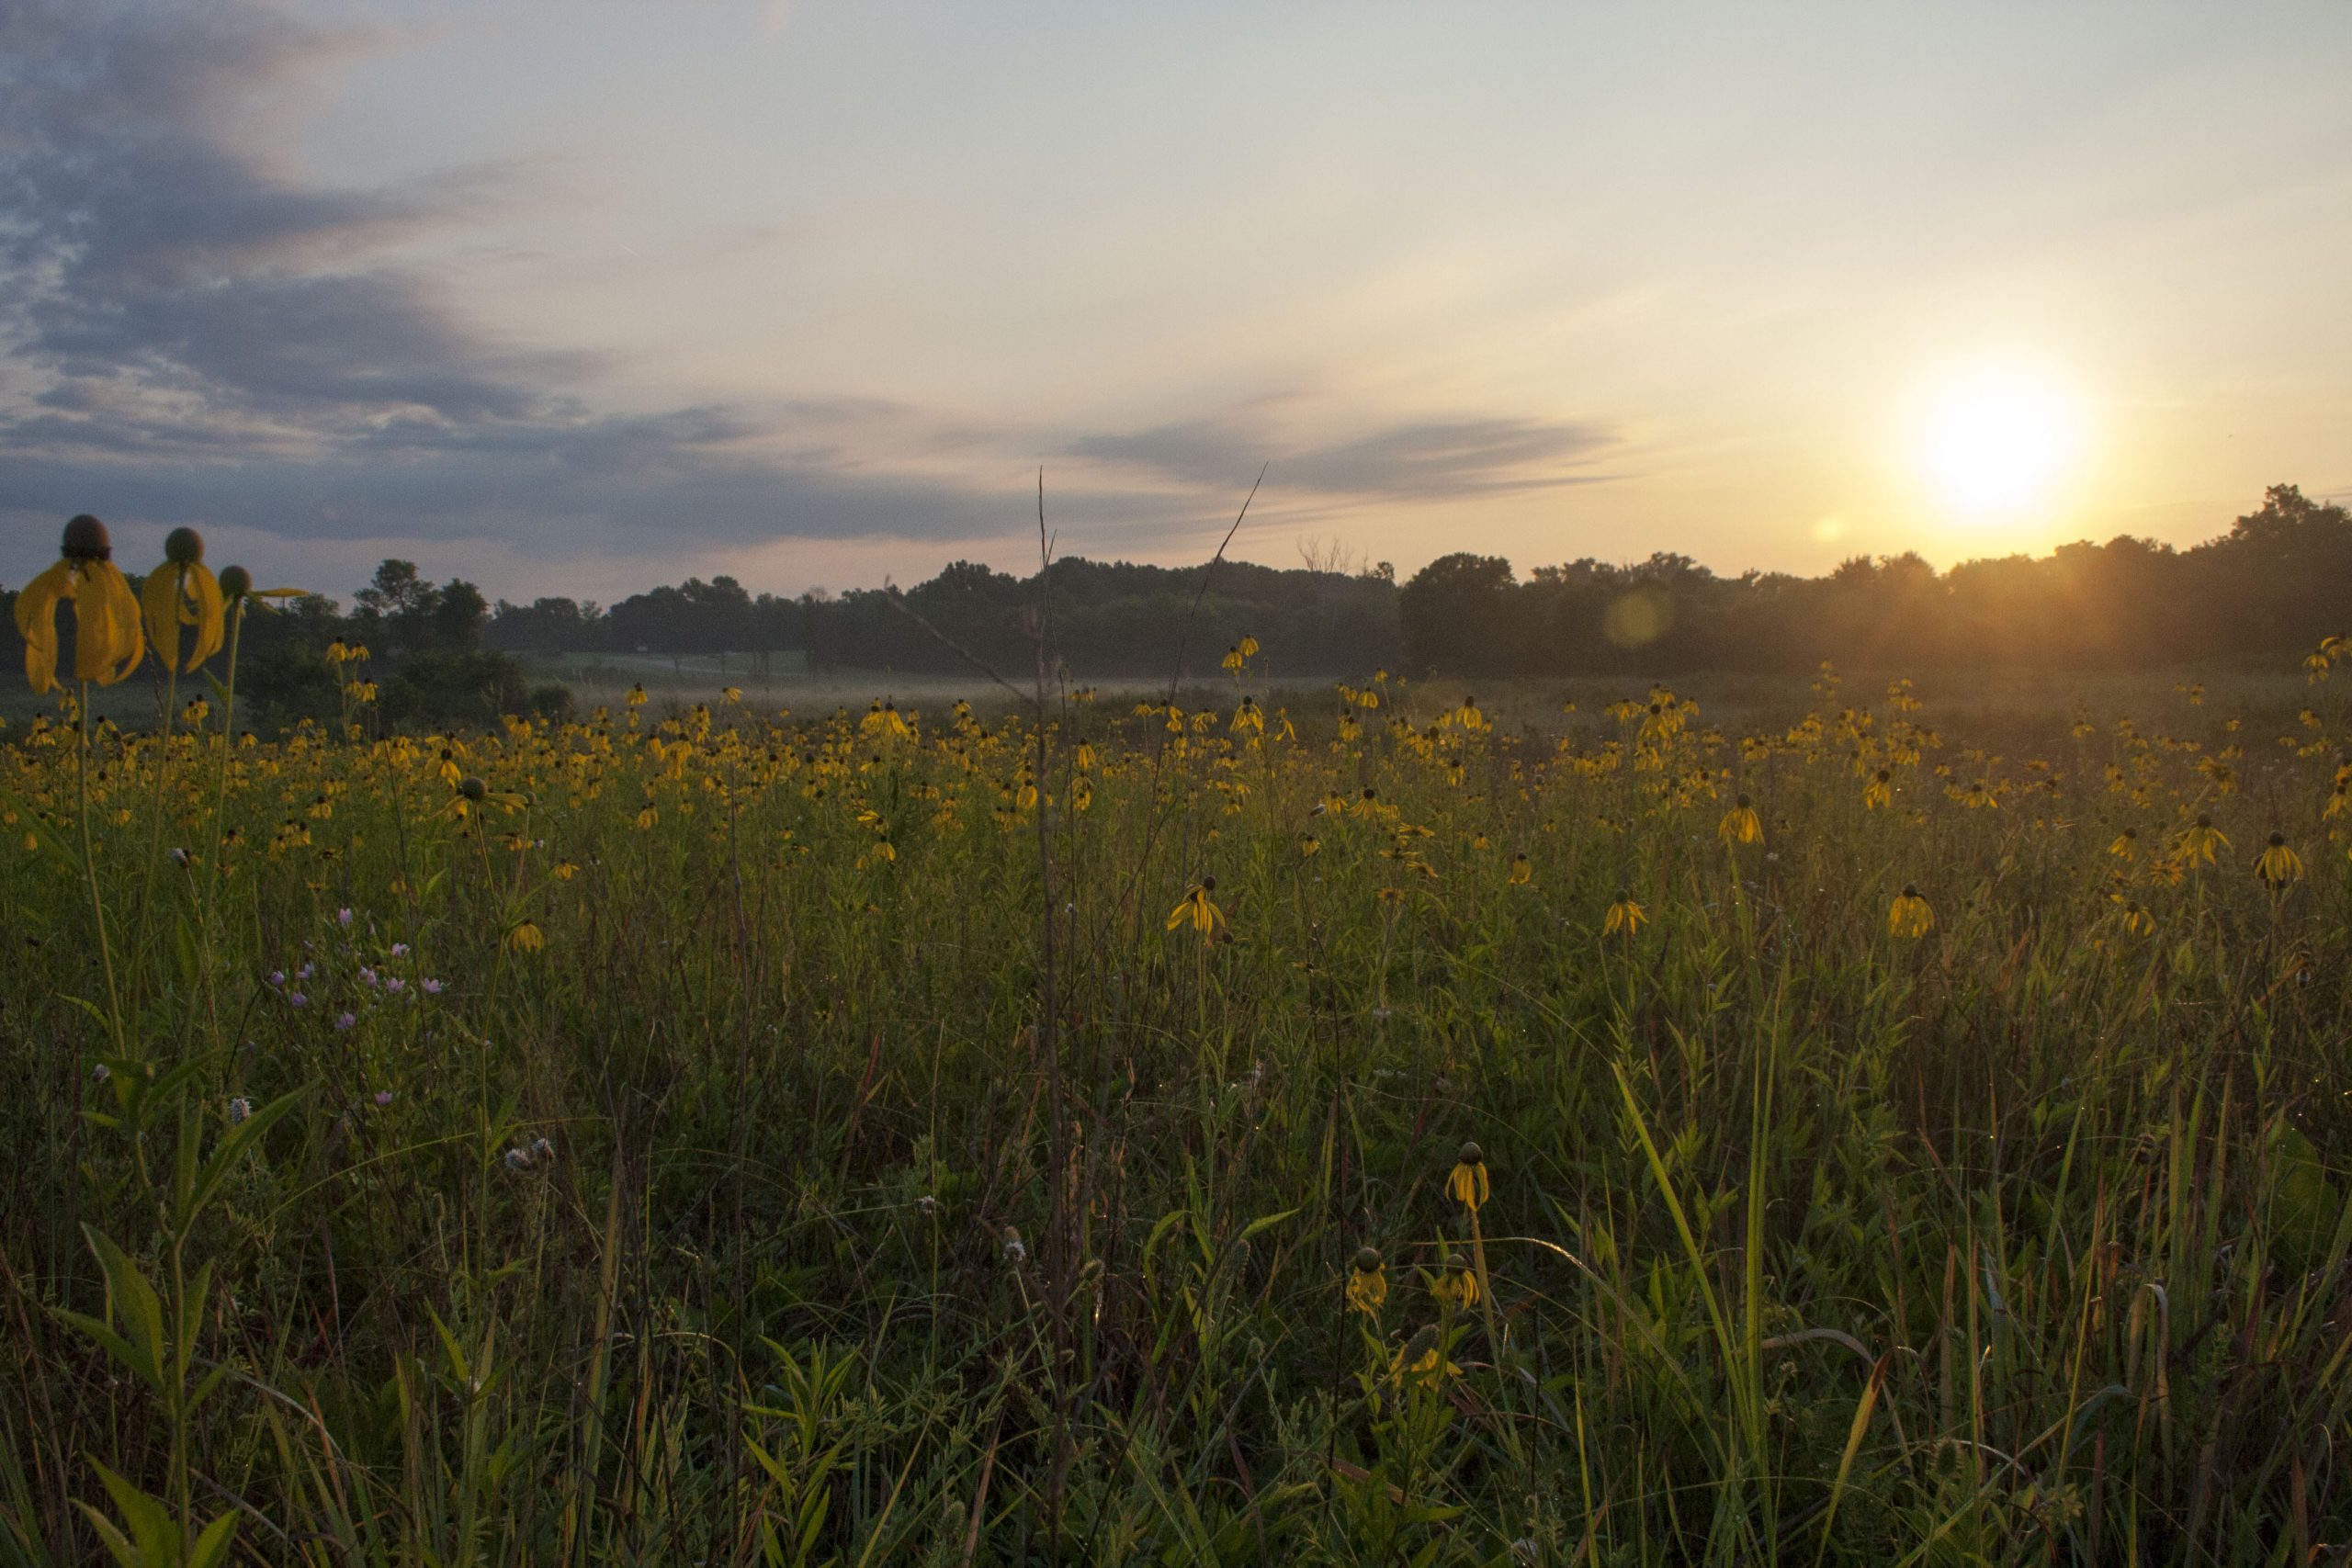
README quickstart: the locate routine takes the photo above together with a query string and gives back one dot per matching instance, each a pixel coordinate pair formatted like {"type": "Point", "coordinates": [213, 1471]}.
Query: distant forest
{"type": "Point", "coordinates": [2269, 588]}
{"type": "Point", "coordinates": [2260, 593]}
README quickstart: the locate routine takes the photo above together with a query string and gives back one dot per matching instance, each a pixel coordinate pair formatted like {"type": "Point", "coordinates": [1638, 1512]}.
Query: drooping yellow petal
{"type": "Point", "coordinates": [176, 595]}
{"type": "Point", "coordinates": [212, 621]}
{"type": "Point", "coordinates": [106, 640]}
{"type": "Point", "coordinates": [130, 647]}
{"type": "Point", "coordinates": [37, 624]}
{"type": "Point", "coordinates": [159, 600]}
{"type": "Point", "coordinates": [94, 635]}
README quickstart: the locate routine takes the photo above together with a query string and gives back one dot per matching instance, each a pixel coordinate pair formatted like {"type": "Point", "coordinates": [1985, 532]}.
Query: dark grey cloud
{"type": "Point", "coordinates": [149, 233]}
{"type": "Point", "coordinates": [214, 340]}
{"type": "Point", "coordinates": [1421, 460]}
{"type": "Point", "coordinates": [607, 487]}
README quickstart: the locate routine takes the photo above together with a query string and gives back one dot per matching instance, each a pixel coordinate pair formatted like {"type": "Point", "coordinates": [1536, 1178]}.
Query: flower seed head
{"type": "Point", "coordinates": [472, 788]}
{"type": "Point", "coordinates": [184, 546]}
{"type": "Point", "coordinates": [86, 539]}
{"type": "Point", "coordinates": [235, 582]}
{"type": "Point", "coordinates": [1471, 1154]}
{"type": "Point", "coordinates": [1367, 1260]}
{"type": "Point", "coordinates": [2278, 841]}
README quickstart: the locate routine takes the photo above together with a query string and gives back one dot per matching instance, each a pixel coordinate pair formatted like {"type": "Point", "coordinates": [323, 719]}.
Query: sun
{"type": "Point", "coordinates": [1997, 440]}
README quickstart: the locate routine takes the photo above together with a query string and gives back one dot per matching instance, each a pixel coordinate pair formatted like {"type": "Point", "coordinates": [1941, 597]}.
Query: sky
{"type": "Point", "coordinates": [576, 298]}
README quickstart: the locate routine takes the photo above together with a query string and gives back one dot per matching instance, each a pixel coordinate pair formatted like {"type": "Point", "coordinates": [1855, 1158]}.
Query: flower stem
{"type": "Point", "coordinates": [90, 875]}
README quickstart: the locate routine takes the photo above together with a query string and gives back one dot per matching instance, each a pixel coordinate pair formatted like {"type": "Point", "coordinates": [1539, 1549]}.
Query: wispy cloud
{"type": "Point", "coordinates": [1415, 460]}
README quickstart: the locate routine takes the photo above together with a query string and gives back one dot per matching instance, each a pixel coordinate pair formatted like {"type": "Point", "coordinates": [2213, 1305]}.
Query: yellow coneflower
{"type": "Point", "coordinates": [1740, 825]}
{"type": "Point", "coordinates": [1624, 914]}
{"type": "Point", "coordinates": [637, 695]}
{"type": "Point", "coordinates": [1469, 717]}
{"type": "Point", "coordinates": [524, 936]}
{"type": "Point", "coordinates": [2278, 864]}
{"type": "Point", "coordinates": [2126, 846]}
{"type": "Point", "coordinates": [883, 718]}
{"type": "Point", "coordinates": [2198, 840]}
{"type": "Point", "coordinates": [107, 645]}
{"type": "Point", "coordinates": [1309, 846]}
{"type": "Point", "coordinates": [1911, 915]}
{"type": "Point", "coordinates": [1466, 1184]}
{"type": "Point", "coordinates": [183, 592]}
{"type": "Point", "coordinates": [1426, 1365]}
{"type": "Point", "coordinates": [1198, 908]}
{"type": "Point", "coordinates": [1456, 1285]}
{"type": "Point", "coordinates": [1521, 874]}
{"type": "Point", "coordinates": [2136, 920]}
{"type": "Point", "coordinates": [1367, 1282]}
{"type": "Point", "coordinates": [1233, 661]}
{"type": "Point", "coordinates": [1880, 791]}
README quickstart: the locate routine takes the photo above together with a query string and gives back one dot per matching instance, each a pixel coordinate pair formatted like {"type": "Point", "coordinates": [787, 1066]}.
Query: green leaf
{"type": "Point", "coordinates": [133, 1300]}
{"type": "Point", "coordinates": [224, 1158]}
{"type": "Point", "coordinates": [117, 1546]}
{"type": "Point", "coordinates": [212, 1545]}
{"type": "Point", "coordinates": [2303, 1206]}
{"type": "Point", "coordinates": [450, 1349]}
{"type": "Point", "coordinates": [150, 1522]}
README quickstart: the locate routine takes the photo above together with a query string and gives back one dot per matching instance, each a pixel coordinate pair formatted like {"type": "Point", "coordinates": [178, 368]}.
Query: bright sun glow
{"type": "Point", "coordinates": [1997, 440]}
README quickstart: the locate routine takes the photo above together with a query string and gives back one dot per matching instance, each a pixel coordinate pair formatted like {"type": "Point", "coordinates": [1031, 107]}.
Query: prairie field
{"type": "Point", "coordinates": [1831, 1121]}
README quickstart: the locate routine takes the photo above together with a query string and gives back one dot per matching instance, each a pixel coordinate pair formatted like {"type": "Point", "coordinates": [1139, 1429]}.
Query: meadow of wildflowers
{"type": "Point", "coordinates": [1242, 1126]}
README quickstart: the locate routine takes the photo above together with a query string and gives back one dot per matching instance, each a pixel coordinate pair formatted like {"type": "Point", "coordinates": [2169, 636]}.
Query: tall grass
{"type": "Point", "coordinates": [722, 1226]}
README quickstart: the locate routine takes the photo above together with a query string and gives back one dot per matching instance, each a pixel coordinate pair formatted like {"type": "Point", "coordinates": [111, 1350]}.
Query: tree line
{"type": "Point", "coordinates": [2265, 590]}
{"type": "Point", "coordinates": [1108, 618]}
{"type": "Point", "coordinates": [2277, 579]}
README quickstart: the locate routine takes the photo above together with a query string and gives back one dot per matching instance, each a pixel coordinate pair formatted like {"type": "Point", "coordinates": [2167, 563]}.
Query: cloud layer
{"type": "Point", "coordinates": [209, 338]}
{"type": "Point", "coordinates": [199, 332]}
{"type": "Point", "coordinates": [1422, 460]}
